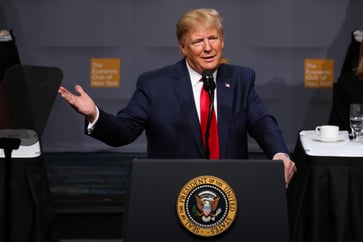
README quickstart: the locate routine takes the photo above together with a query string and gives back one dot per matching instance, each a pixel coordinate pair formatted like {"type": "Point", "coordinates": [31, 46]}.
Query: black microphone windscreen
{"type": "Point", "coordinates": [206, 73]}
{"type": "Point", "coordinates": [208, 81]}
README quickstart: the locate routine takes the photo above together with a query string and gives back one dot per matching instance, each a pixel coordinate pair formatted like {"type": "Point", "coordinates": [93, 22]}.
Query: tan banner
{"type": "Point", "coordinates": [105, 72]}
{"type": "Point", "coordinates": [318, 73]}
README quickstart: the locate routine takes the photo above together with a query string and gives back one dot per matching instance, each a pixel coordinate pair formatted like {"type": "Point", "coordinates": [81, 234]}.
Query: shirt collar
{"type": "Point", "coordinates": [195, 76]}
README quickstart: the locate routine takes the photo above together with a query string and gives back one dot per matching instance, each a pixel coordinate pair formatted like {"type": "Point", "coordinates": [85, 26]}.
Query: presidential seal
{"type": "Point", "coordinates": [206, 206]}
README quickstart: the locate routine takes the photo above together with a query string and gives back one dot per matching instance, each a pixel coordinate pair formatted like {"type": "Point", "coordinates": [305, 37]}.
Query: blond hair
{"type": "Point", "coordinates": [202, 17]}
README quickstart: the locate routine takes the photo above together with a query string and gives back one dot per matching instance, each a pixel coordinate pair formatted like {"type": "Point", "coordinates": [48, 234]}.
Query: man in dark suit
{"type": "Point", "coordinates": [166, 103]}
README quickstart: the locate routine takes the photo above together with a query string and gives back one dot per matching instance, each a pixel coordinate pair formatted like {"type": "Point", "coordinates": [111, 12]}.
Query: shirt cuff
{"type": "Point", "coordinates": [91, 126]}
{"type": "Point", "coordinates": [280, 153]}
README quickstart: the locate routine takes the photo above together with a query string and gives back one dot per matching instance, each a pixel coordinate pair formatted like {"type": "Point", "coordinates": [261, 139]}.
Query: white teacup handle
{"type": "Point", "coordinates": [317, 130]}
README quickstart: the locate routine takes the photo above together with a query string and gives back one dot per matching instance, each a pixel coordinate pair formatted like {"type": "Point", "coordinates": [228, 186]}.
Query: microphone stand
{"type": "Point", "coordinates": [8, 144]}
{"type": "Point", "coordinates": [209, 86]}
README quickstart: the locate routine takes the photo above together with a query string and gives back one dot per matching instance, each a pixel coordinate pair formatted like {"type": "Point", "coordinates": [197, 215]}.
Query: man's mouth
{"type": "Point", "coordinates": [208, 58]}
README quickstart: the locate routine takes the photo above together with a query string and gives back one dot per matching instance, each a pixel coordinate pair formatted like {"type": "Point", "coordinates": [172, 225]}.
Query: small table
{"type": "Point", "coordinates": [325, 196]}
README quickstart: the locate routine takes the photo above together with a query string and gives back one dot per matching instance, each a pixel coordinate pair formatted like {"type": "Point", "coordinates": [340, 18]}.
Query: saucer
{"type": "Point", "coordinates": [337, 139]}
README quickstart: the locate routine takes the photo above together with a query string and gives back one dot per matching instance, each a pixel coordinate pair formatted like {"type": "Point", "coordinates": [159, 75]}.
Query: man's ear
{"type": "Point", "coordinates": [181, 49]}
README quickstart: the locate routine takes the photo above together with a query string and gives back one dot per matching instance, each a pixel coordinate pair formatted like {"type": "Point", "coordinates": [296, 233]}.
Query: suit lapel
{"type": "Point", "coordinates": [184, 93]}
{"type": "Point", "coordinates": [225, 89]}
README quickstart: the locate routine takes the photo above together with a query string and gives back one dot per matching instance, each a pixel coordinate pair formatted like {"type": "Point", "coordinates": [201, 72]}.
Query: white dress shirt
{"type": "Point", "coordinates": [197, 85]}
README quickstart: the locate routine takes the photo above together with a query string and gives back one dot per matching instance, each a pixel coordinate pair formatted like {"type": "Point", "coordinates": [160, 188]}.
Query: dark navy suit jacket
{"type": "Point", "coordinates": [163, 106]}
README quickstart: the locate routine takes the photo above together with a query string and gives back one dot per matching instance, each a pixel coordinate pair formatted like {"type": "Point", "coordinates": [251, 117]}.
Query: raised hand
{"type": "Point", "coordinates": [82, 102]}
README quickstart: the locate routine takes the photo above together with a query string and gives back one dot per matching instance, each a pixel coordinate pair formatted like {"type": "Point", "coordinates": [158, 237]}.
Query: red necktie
{"type": "Point", "coordinates": [213, 143]}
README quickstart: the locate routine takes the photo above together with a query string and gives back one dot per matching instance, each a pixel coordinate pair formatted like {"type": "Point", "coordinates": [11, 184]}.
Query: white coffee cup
{"type": "Point", "coordinates": [327, 132]}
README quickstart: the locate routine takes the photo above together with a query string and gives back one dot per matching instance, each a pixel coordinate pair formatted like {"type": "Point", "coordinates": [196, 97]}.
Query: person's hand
{"type": "Point", "coordinates": [289, 167]}
{"type": "Point", "coordinates": [82, 103]}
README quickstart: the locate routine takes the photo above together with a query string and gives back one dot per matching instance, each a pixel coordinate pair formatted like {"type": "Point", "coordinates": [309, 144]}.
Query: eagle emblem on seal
{"type": "Point", "coordinates": [207, 204]}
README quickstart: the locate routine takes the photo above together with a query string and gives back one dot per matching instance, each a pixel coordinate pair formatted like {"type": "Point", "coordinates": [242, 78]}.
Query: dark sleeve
{"type": "Point", "coordinates": [351, 57]}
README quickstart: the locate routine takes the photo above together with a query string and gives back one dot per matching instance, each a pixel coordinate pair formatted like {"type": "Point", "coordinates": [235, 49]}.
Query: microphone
{"type": "Point", "coordinates": [209, 86]}
{"type": "Point", "coordinates": [208, 82]}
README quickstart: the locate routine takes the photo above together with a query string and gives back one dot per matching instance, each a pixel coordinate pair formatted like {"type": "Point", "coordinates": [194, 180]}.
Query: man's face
{"type": "Point", "coordinates": [202, 48]}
